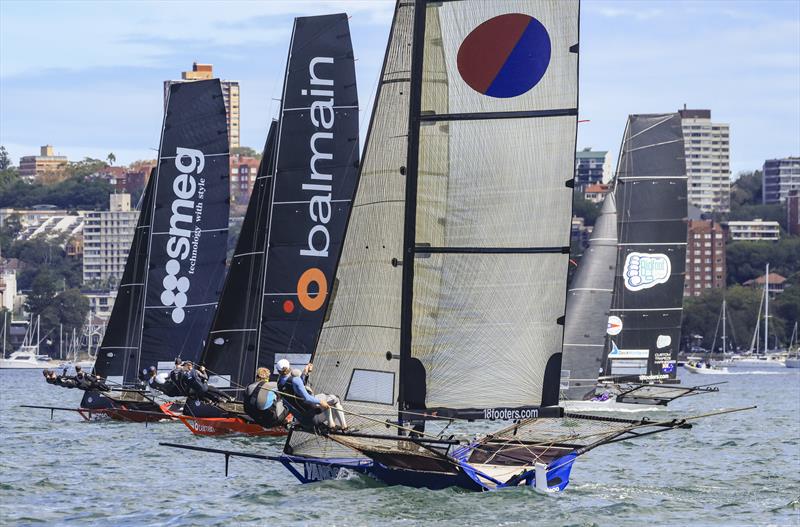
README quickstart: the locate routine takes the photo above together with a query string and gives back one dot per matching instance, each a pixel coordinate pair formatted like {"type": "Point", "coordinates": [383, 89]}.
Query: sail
{"type": "Point", "coordinates": [230, 352]}
{"type": "Point", "coordinates": [316, 173]}
{"type": "Point", "coordinates": [188, 238]}
{"type": "Point", "coordinates": [116, 357]}
{"type": "Point", "coordinates": [588, 302]}
{"type": "Point", "coordinates": [453, 272]}
{"type": "Point", "coordinates": [651, 260]}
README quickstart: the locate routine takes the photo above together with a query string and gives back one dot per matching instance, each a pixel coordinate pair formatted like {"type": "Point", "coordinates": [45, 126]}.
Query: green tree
{"type": "Point", "coordinates": [746, 190]}
{"type": "Point", "coordinates": [748, 259]}
{"type": "Point", "coordinates": [584, 208]}
{"type": "Point", "coordinates": [701, 315]}
{"type": "Point", "coordinates": [43, 290]}
{"type": "Point", "coordinates": [85, 167]}
{"type": "Point", "coordinates": [5, 160]}
{"type": "Point", "coordinates": [244, 151]}
{"type": "Point", "coordinates": [68, 308]}
{"type": "Point", "coordinates": [8, 232]}
{"type": "Point", "coordinates": [111, 158]}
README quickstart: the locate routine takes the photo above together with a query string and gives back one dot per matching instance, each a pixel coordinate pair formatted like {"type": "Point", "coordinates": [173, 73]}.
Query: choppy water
{"type": "Point", "coordinates": [739, 469]}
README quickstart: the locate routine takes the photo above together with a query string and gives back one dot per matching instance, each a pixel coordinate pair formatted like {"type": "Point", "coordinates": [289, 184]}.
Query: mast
{"type": "Point", "coordinates": [724, 334]}
{"type": "Point", "coordinates": [766, 311]}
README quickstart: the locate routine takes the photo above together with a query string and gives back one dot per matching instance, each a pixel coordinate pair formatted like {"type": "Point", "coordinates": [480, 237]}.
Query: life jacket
{"type": "Point", "coordinates": [293, 400]}
{"type": "Point", "coordinates": [169, 388]}
{"type": "Point", "coordinates": [195, 382]}
{"type": "Point", "coordinates": [82, 381]}
{"type": "Point", "coordinates": [255, 397]}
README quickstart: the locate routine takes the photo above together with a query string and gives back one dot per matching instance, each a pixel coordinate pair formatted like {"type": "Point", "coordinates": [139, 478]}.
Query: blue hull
{"type": "Point", "coordinates": [467, 477]}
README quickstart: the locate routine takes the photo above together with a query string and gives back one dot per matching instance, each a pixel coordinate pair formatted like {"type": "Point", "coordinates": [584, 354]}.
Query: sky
{"type": "Point", "coordinates": [87, 77]}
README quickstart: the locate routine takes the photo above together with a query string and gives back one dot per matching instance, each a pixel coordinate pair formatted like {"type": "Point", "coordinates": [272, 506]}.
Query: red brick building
{"type": "Point", "coordinates": [793, 212]}
{"type": "Point", "coordinates": [705, 257]}
{"type": "Point", "coordinates": [243, 174]}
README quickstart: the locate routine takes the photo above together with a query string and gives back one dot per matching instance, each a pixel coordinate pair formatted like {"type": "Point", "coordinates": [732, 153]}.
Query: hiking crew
{"type": "Point", "coordinates": [311, 410]}
{"type": "Point", "coordinates": [261, 402]}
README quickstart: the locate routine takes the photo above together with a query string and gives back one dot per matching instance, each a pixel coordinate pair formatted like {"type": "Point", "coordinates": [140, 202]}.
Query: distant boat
{"type": "Point", "coordinates": [793, 359]}
{"type": "Point", "coordinates": [27, 357]}
{"type": "Point", "coordinates": [756, 355]}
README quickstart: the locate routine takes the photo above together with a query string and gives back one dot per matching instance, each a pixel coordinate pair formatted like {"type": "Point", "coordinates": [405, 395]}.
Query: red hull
{"type": "Point", "coordinates": [128, 415]}
{"type": "Point", "coordinates": [218, 426]}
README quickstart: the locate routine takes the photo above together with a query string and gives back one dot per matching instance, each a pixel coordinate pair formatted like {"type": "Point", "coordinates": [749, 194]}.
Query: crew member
{"type": "Point", "coordinates": [197, 381]}
{"type": "Point", "coordinates": [320, 409]}
{"type": "Point", "coordinates": [162, 383]}
{"type": "Point", "coordinates": [262, 403]}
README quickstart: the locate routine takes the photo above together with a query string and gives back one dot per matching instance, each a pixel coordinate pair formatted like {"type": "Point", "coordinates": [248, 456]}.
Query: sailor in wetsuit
{"type": "Point", "coordinates": [160, 382]}
{"type": "Point", "coordinates": [196, 380]}
{"type": "Point", "coordinates": [62, 380]}
{"type": "Point", "coordinates": [314, 410]}
{"type": "Point", "coordinates": [89, 382]}
{"type": "Point", "coordinates": [261, 401]}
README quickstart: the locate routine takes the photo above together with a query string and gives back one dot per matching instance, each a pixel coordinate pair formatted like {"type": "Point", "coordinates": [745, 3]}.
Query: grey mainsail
{"type": "Point", "coordinates": [588, 304]}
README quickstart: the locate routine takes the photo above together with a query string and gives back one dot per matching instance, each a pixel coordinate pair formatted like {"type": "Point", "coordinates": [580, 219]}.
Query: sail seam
{"type": "Point", "coordinates": [187, 305]}
{"type": "Point", "coordinates": [201, 230]}
{"type": "Point", "coordinates": [625, 178]}
{"type": "Point", "coordinates": [204, 155]}
{"type": "Point", "coordinates": [655, 144]}
{"type": "Point", "coordinates": [248, 254]}
{"type": "Point", "coordinates": [591, 289]}
{"type": "Point", "coordinates": [309, 201]}
{"type": "Point", "coordinates": [233, 330]}
{"type": "Point", "coordinates": [491, 250]}
{"type": "Point", "coordinates": [479, 116]}
{"type": "Point", "coordinates": [650, 309]}
{"type": "Point", "coordinates": [308, 108]}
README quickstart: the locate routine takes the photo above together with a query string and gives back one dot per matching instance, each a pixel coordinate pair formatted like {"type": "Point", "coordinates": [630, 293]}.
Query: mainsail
{"type": "Point", "coordinates": [588, 302]}
{"type": "Point", "coordinates": [175, 269]}
{"type": "Point", "coordinates": [451, 286]}
{"type": "Point", "coordinates": [648, 289]}
{"type": "Point", "coordinates": [286, 258]}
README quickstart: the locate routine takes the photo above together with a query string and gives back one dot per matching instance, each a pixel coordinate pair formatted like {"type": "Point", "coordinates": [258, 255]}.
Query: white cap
{"type": "Point", "coordinates": [283, 364]}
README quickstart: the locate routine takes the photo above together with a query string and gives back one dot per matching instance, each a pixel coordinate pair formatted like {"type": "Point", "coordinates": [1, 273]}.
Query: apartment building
{"type": "Point", "coordinates": [107, 237]}
{"type": "Point", "coordinates": [780, 177]}
{"type": "Point", "coordinates": [705, 257]}
{"type": "Point", "coordinates": [47, 162]}
{"type": "Point", "coordinates": [707, 147]}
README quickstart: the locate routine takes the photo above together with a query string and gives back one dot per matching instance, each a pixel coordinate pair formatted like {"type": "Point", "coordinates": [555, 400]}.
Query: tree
{"type": "Point", "coordinates": [584, 208]}
{"type": "Point", "coordinates": [747, 259]}
{"type": "Point", "coordinates": [69, 309]}
{"type": "Point", "coordinates": [244, 151]}
{"type": "Point", "coordinates": [701, 315]}
{"type": "Point", "coordinates": [746, 190]}
{"type": "Point", "coordinates": [5, 160]}
{"type": "Point", "coordinates": [111, 158]}
{"type": "Point", "coordinates": [8, 232]}
{"type": "Point", "coordinates": [43, 290]}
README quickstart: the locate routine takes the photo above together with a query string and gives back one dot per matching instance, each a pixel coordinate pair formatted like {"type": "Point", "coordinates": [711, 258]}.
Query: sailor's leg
{"type": "Point", "coordinates": [338, 412]}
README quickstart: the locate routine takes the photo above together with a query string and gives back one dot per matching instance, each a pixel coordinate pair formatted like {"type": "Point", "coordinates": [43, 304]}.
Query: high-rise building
{"type": "Point", "coordinates": [230, 92]}
{"type": "Point", "coordinates": [45, 163]}
{"type": "Point", "coordinates": [793, 212]}
{"type": "Point", "coordinates": [705, 257]}
{"type": "Point", "coordinates": [708, 168]}
{"type": "Point", "coordinates": [591, 167]}
{"type": "Point", "coordinates": [107, 237]}
{"type": "Point", "coordinates": [780, 176]}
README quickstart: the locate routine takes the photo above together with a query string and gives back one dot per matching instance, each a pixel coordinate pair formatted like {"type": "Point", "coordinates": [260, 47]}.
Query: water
{"type": "Point", "coordinates": [739, 469]}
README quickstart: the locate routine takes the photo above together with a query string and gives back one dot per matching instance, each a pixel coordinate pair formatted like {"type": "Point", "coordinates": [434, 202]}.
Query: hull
{"type": "Point", "coordinates": [705, 371]}
{"type": "Point", "coordinates": [13, 364]}
{"type": "Point", "coordinates": [792, 363]}
{"type": "Point", "coordinates": [610, 405]}
{"type": "Point", "coordinates": [220, 426]}
{"type": "Point", "coordinates": [476, 478]}
{"type": "Point", "coordinates": [96, 405]}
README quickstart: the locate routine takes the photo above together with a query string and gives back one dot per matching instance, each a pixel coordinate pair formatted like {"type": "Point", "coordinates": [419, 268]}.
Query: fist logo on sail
{"type": "Point", "coordinates": [180, 246]}
{"type": "Point", "coordinates": [505, 56]}
{"type": "Point", "coordinates": [644, 270]}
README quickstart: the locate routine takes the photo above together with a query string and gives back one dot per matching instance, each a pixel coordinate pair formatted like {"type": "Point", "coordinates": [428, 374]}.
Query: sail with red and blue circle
{"type": "Point", "coordinates": [505, 56]}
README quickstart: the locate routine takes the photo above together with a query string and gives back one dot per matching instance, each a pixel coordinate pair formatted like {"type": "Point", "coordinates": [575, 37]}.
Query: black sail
{"type": "Point", "coordinates": [188, 241]}
{"type": "Point", "coordinates": [316, 174]}
{"type": "Point", "coordinates": [116, 357]}
{"type": "Point", "coordinates": [648, 289]}
{"type": "Point", "coordinates": [588, 302]}
{"type": "Point", "coordinates": [231, 350]}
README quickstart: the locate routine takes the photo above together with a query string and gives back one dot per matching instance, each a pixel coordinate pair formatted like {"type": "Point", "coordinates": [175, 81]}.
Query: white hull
{"type": "Point", "coordinates": [705, 371]}
{"type": "Point", "coordinates": [793, 363]}
{"type": "Point", "coordinates": [13, 364]}
{"type": "Point", "coordinates": [757, 363]}
{"type": "Point", "coordinates": [609, 406]}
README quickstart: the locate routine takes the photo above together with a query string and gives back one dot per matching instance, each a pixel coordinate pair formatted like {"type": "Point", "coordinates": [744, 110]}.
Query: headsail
{"type": "Point", "coordinates": [588, 302]}
{"type": "Point", "coordinates": [300, 213]}
{"type": "Point", "coordinates": [455, 262]}
{"type": "Point", "coordinates": [651, 211]}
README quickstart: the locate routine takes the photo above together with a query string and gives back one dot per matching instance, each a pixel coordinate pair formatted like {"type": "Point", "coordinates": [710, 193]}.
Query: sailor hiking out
{"type": "Point", "coordinates": [81, 380]}
{"type": "Point", "coordinates": [261, 401]}
{"type": "Point", "coordinates": [310, 410]}
{"type": "Point", "coordinates": [195, 381]}
{"type": "Point", "coordinates": [161, 382]}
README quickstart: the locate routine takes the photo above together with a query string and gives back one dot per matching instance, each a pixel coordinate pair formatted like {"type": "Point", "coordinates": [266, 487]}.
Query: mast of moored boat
{"type": "Point", "coordinates": [766, 311]}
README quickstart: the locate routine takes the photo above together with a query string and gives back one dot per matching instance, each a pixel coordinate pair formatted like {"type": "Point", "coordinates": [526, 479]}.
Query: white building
{"type": "Point", "coordinates": [100, 302]}
{"type": "Point", "coordinates": [592, 167]}
{"type": "Point", "coordinates": [755, 230]}
{"type": "Point", "coordinates": [781, 176]}
{"type": "Point", "coordinates": [8, 289]}
{"type": "Point", "coordinates": [708, 168]}
{"type": "Point", "coordinates": [107, 237]}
